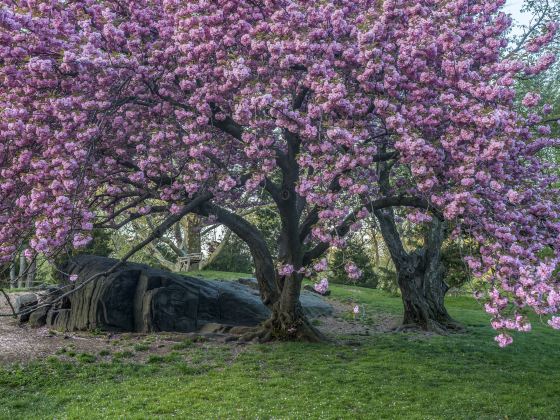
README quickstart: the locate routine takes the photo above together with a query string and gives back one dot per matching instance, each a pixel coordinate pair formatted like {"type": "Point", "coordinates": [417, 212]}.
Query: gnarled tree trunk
{"type": "Point", "coordinates": [420, 276]}
{"type": "Point", "coordinates": [279, 293]}
{"type": "Point", "coordinates": [423, 289]}
{"type": "Point", "coordinates": [288, 322]}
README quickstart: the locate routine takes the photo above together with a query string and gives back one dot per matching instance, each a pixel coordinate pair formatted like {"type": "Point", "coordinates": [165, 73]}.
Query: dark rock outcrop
{"type": "Point", "coordinates": [140, 298]}
{"type": "Point", "coordinates": [38, 318]}
{"type": "Point", "coordinates": [25, 303]}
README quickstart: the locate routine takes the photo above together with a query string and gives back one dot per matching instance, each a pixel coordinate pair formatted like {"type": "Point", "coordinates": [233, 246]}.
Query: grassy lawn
{"type": "Point", "coordinates": [218, 275]}
{"type": "Point", "coordinates": [389, 375]}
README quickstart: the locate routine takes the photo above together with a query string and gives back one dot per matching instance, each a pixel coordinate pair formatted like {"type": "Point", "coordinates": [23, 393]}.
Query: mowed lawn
{"type": "Point", "coordinates": [383, 375]}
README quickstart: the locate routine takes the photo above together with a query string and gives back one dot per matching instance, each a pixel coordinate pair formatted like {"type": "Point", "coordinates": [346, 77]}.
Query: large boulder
{"type": "Point", "coordinates": [39, 317]}
{"type": "Point", "coordinates": [139, 298]}
{"type": "Point", "coordinates": [24, 304]}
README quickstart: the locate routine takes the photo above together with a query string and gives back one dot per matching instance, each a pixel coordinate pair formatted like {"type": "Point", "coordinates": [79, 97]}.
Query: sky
{"type": "Point", "coordinates": [514, 8]}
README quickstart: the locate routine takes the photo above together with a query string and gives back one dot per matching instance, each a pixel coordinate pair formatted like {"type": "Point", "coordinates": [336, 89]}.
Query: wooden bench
{"type": "Point", "coordinates": [189, 260]}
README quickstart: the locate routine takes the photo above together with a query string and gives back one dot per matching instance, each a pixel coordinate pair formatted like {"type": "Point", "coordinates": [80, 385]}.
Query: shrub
{"type": "Point", "coordinates": [357, 253]}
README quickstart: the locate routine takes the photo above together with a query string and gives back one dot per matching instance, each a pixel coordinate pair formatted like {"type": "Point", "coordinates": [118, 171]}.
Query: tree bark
{"type": "Point", "coordinates": [279, 293]}
{"type": "Point", "coordinates": [13, 275]}
{"type": "Point", "coordinates": [22, 270]}
{"type": "Point", "coordinates": [288, 321]}
{"type": "Point", "coordinates": [31, 272]}
{"type": "Point", "coordinates": [420, 276]}
{"type": "Point", "coordinates": [423, 290]}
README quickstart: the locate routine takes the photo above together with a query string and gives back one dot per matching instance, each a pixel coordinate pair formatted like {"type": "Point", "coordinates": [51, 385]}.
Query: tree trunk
{"type": "Point", "coordinates": [13, 275]}
{"type": "Point", "coordinates": [191, 238]}
{"type": "Point", "coordinates": [288, 321]}
{"type": "Point", "coordinates": [22, 270]}
{"type": "Point", "coordinates": [420, 276]}
{"type": "Point", "coordinates": [423, 290]}
{"type": "Point", "coordinates": [280, 294]}
{"type": "Point", "coordinates": [31, 272]}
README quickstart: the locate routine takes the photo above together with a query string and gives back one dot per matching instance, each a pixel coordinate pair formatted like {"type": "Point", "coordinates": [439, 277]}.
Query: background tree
{"type": "Point", "coordinates": [356, 251]}
{"type": "Point", "coordinates": [173, 249]}
{"type": "Point", "coordinates": [235, 256]}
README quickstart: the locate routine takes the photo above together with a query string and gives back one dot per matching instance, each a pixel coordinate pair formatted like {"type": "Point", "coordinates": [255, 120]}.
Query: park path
{"type": "Point", "coordinates": [20, 343]}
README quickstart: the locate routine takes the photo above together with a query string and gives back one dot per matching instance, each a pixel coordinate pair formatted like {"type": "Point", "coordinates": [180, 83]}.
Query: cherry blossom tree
{"type": "Point", "coordinates": [335, 110]}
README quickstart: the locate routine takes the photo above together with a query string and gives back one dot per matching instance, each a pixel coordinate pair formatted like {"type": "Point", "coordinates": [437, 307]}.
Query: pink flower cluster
{"type": "Point", "coordinates": [353, 271]}
{"type": "Point", "coordinates": [286, 270]}
{"type": "Point", "coordinates": [322, 287]}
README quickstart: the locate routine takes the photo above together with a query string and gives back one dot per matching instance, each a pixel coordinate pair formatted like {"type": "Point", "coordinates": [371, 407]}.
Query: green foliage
{"type": "Point", "coordinates": [268, 222]}
{"type": "Point", "coordinates": [457, 273]}
{"type": "Point", "coordinates": [100, 245]}
{"type": "Point", "coordinates": [356, 253]}
{"type": "Point", "coordinates": [390, 375]}
{"type": "Point", "coordinates": [235, 256]}
{"type": "Point", "coordinates": [124, 240]}
{"type": "Point", "coordinates": [387, 281]}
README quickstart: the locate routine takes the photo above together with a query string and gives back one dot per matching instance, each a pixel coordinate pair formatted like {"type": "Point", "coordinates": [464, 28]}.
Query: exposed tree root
{"type": "Point", "coordinates": [443, 327]}
{"type": "Point", "coordinates": [283, 327]}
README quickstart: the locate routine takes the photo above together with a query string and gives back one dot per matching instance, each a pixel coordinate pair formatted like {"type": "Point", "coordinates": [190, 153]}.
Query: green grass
{"type": "Point", "coordinates": [185, 344]}
{"type": "Point", "coordinates": [217, 275]}
{"type": "Point", "coordinates": [16, 289]}
{"type": "Point", "coordinates": [390, 375]}
{"type": "Point", "coordinates": [141, 347]}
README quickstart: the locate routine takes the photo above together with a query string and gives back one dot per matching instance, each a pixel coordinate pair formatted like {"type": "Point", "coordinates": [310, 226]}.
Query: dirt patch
{"type": "Point", "coordinates": [343, 323]}
{"type": "Point", "coordinates": [21, 343]}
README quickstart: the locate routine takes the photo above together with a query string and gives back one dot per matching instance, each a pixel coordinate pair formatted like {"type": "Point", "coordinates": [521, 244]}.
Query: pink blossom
{"type": "Point", "coordinates": [554, 322]}
{"type": "Point", "coordinates": [286, 270]}
{"type": "Point", "coordinates": [321, 265]}
{"type": "Point", "coordinates": [227, 184]}
{"type": "Point", "coordinates": [503, 340]}
{"type": "Point", "coordinates": [353, 271]}
{"type": "Point", "coordinates": [322, 287]}
{"type": "Point", "coordinates": [175, 209]}
{"type": "Point", "coordinates": [531, 99]}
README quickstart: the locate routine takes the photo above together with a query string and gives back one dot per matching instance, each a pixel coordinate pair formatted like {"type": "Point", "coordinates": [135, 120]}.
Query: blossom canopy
{"type": "Point", "coordinates": [111, 110]}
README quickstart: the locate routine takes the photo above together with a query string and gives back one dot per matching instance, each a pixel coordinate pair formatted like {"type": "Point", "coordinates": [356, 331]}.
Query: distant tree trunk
{"type": "Point", "coordinates": [22, 270]}
{"type": "Point", "coordinates": [31, 273]}
{"type": "Point", "coordinates": [420, 276]}
{"type": "Point", "coordinates": [215, 252]}
{"type": "Point", "coordinates": [192, 226]}
{"type": "Point", "coordinates": [13, 275]}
